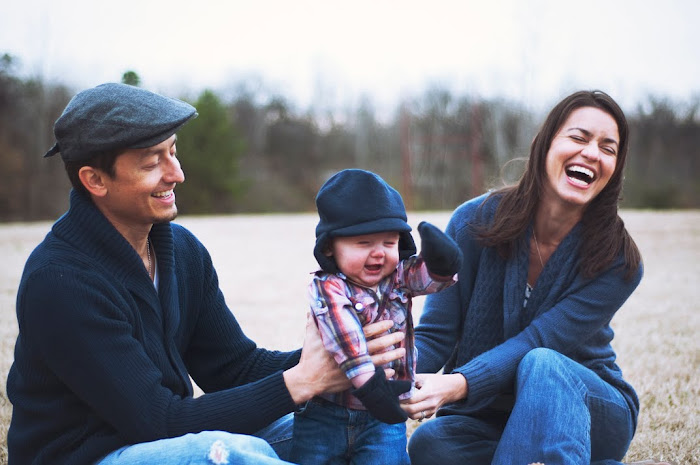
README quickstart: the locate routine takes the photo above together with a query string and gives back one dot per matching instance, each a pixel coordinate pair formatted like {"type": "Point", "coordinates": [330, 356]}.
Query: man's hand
{"type": "Point", "coordinates": [317, 371]}
{"type": "Point", "coordinates": [379, 340]}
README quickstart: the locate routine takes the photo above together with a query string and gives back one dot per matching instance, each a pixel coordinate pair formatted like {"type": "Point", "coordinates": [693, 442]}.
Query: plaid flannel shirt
{"type": "Point", "coordinates": [341, 308]}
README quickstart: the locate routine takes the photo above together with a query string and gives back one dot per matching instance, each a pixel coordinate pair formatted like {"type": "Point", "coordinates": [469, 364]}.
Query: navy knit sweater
{"type": "Point", "coordinates": [480, 329]}
{"type": "Point", "coordinates": [102, 359]}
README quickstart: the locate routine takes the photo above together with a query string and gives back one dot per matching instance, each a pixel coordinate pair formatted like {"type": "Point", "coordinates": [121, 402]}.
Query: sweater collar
{"type": "Point", "coordinates": [557, 273]}
{"type": "Point", "coordinates": [88, 230]}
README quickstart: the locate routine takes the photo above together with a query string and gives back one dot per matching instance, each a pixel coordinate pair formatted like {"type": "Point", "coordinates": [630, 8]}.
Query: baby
{"type": "Point", "coordinates": [369, 272]}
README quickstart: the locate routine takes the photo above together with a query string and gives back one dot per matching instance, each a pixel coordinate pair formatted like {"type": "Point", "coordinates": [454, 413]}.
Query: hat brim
{"type": "Point", "coordinates": [372, 227]}
{"type": "Point", "coordinates": [407, 246]}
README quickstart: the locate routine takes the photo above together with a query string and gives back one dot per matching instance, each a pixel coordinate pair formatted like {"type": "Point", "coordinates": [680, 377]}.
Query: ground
{"type": "Point", "coordinates": [264, 264]}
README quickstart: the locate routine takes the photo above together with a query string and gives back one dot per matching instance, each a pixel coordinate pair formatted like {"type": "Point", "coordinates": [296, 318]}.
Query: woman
{"type": "Point", "coordinates": [524, 337]}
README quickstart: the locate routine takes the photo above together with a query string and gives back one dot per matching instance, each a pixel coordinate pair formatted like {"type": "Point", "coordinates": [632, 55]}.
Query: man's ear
{"type": "Point", "coordinates": [93, 180]}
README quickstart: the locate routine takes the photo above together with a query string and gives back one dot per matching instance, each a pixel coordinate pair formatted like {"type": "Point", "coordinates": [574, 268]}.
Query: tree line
{"type": "Point", "coordinates": [255, 152]}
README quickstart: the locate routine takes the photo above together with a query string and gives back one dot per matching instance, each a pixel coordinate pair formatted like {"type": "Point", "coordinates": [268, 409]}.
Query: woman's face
{"type": "Point", "coordinates": [581, 158]}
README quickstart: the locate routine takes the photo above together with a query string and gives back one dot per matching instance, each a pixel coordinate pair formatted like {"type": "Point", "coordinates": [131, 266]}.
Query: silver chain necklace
{"type": "Point", "coordinates": [150, 266]}
{"type": "Point", "coordinates": [537, 246]}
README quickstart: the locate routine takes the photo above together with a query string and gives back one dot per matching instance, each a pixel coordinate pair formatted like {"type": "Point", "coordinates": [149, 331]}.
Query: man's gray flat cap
{"type": "Point", "coordinates": [116, 117]}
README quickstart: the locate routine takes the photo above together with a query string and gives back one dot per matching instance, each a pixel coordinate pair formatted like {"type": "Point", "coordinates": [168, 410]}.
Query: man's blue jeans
{"type": "Point", "coordinates": [211, 448]}
{"type": "Point", "coordinates": [326, 433]}
{"type": "Point", "coordinates": [563, 414]}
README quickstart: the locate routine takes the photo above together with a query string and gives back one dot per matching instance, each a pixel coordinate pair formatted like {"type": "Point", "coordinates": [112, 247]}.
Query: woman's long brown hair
{"type": "Point", "coordinates": [604, 234]}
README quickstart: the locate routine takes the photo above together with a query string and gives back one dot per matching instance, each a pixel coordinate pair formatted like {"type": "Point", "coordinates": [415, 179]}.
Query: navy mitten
{"type": "Point", "coordinates": [381, 397]}
{"type": "Point", "coordinates": [441, 254]}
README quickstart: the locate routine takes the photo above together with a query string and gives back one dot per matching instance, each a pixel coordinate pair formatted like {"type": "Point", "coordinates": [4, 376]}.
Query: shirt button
{"type": "Point", "coordinates": [359, 306]}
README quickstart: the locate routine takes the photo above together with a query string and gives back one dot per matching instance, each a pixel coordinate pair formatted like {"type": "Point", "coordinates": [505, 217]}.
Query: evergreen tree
{"type": "Point", "coordinates": [131, 78]}
{"type": "Point", "coordinates": [209, 148]}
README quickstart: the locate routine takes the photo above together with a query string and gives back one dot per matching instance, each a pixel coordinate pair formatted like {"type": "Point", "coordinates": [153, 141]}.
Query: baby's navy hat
{"type": "Point", "coordinates": [355, 202]}
{"type": "Point", "coordinates": [114, 117]}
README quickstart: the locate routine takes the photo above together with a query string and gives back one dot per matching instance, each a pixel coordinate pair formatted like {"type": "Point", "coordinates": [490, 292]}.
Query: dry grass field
{"type": "Point", "coordinates": [264, 264]}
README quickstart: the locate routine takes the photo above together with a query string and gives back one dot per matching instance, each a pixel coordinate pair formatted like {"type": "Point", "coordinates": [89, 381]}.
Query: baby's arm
{"type": "Point", "coordinates": [361, 379]}
{"type": "Point", "coordinates": [342, 335]}
{"type": "Point", "coordinates": [435, 268]}
{"type": "Point", "coordinates": [339, 326]}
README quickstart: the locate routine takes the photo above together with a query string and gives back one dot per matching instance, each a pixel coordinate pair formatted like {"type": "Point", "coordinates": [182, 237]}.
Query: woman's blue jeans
{"type": "Point", "coordinates": [329, 434]}
{"type": "Point", "coordinates": [564, 414]}
{"type": "Point", "coordinates": [211, 448]}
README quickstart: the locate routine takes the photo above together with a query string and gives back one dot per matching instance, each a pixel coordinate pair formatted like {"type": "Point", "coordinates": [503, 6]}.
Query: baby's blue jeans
{"type": "Point", "coordinates": [329, 434]}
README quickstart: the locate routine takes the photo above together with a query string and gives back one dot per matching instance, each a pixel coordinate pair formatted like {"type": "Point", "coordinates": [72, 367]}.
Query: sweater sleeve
{"type": "Point", "coordinates": [93, 350]}
{"type": "Point", "coordinates": [218, 353]}
{"type": "Point", "coordinates": [440, 323]}
{"type": "Point", "coordinates": [567, 328]}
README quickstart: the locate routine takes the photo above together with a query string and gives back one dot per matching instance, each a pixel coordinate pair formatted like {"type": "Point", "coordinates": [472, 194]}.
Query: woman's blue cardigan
{"type": "Point", "coordinates": [480, 329]}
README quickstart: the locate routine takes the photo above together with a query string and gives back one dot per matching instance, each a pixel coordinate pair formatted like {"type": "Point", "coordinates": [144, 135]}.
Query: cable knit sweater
{"type": "Point", "coordinates": [102, 358]}
{"type": "Point", "coordinates": [480, 329]}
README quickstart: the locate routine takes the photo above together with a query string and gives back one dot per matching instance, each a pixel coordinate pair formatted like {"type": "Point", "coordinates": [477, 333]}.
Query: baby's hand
{"type": "Point", "coordinates": [380, 397]}
{"type": "Point", "coordinates": [441, 254]}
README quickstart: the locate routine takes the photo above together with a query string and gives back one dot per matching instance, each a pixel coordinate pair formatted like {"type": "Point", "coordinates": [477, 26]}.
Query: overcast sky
{"type": "Point", "coordinates": [534, 51]}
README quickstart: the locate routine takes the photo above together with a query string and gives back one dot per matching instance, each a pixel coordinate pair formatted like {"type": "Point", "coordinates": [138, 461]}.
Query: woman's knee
{"type": "Point", "coordinates": [540, 356]}
{"type": "Point", "coordinates": [547, 371]}
{"type": "Point", "coordinates": [539, 362]}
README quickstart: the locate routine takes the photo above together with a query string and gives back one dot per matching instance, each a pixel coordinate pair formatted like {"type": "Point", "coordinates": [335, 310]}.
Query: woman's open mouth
{"type": "Point", "coordinates": [580, 175]}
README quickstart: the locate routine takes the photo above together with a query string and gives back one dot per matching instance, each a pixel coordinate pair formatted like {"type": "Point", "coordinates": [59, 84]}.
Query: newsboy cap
{"type": "Point", "coordinates": [114, 117]}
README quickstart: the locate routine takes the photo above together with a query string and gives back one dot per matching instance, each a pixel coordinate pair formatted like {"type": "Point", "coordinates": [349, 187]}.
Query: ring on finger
{"type": "Point", "coordinates": [422, 416]}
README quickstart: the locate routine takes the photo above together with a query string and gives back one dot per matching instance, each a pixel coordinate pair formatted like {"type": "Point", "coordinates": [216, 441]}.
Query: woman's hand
{"type": "Point", "coordinates": [317, 371]}
{"type": "Point", "coordinates": [432, 392]}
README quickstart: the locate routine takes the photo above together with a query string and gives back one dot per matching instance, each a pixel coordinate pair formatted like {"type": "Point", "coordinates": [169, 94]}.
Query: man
{"type": "Point", "coordinates": [117, 307]}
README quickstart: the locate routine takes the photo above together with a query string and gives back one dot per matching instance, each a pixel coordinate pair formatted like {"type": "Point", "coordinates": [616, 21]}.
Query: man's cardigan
{"type": "Point", "coordinates": [102, 359]}
{"type": "Point", "coordinates": [480, 329]}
